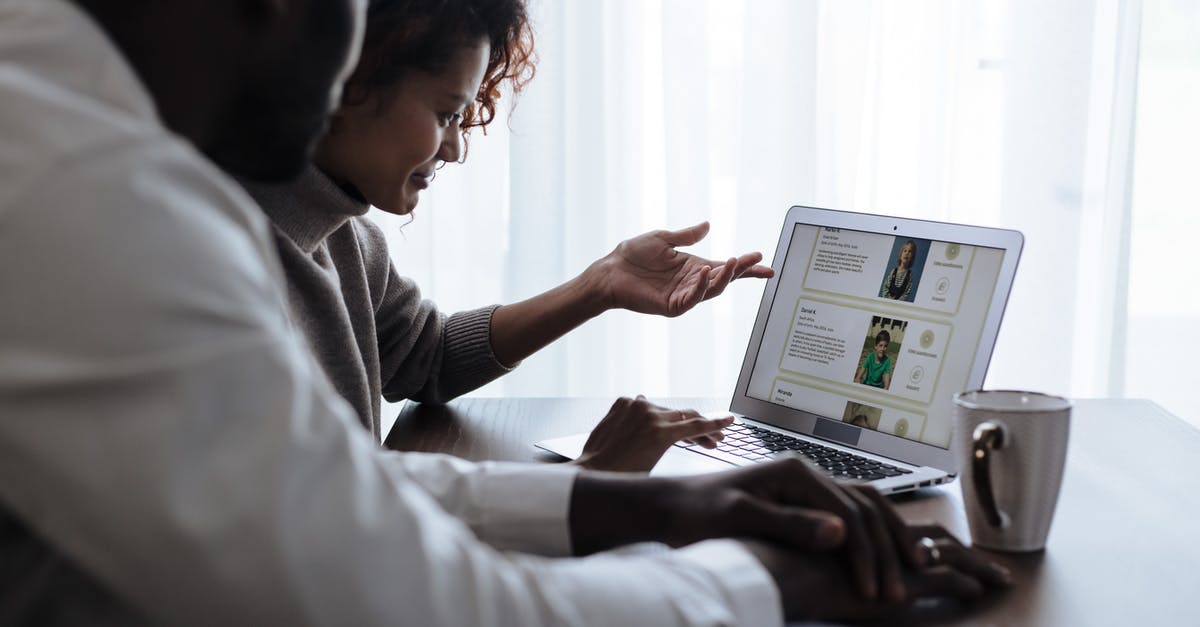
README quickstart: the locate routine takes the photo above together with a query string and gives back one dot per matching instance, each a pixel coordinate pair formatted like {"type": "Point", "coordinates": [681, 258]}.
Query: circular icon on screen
{"type": "Point", "coordinates": [916, 374]}
{"type": "Point", "coordinates": [943, 286]}
{"type": "Point", "coordinates": [926, 339]}
{"type": "Point", "coordinates": [951, 251]}
{"type": "Point", "coordinates": [901, 428]}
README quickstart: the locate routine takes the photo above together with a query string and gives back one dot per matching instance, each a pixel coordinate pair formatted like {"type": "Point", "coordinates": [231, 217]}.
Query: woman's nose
{"type": "Point", "coordinates": [451, 148]}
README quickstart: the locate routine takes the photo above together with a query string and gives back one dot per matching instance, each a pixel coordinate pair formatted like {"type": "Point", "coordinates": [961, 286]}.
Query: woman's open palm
{"type": "Point", "coordinates": [647, 274]}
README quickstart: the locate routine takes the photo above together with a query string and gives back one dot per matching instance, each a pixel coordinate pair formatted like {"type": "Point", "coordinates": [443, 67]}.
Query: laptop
{"type": "Point", "coordinates": [869, 327]}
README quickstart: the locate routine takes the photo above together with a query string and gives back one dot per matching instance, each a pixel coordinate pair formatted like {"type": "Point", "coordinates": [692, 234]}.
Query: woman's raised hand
{"type": "Point", "coordinates": [647, 274]}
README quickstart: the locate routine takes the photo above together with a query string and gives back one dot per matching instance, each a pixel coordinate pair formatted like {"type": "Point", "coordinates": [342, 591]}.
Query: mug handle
{"type": "Point", "coordinates": [988, 436]}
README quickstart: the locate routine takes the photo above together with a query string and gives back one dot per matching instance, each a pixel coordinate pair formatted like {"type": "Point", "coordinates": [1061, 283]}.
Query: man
{"type": "Point", "coordinates": [169, 451]}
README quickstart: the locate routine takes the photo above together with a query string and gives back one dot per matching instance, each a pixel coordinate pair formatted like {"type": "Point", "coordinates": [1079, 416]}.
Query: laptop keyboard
{"type": "Point", "coordinates": [757, 444]}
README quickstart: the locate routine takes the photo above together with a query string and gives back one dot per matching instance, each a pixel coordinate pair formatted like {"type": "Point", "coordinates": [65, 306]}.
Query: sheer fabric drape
{"type": "Point", "coordinates": [662, 113]}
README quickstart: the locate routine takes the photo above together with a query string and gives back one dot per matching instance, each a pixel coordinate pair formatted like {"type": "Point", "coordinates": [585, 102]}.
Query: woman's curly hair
{"type": "Point", "coordinates": [406, 35]}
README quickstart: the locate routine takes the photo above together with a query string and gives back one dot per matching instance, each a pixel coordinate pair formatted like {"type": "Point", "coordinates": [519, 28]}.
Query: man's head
{"type": "Point", "coordinates": [249, 82]}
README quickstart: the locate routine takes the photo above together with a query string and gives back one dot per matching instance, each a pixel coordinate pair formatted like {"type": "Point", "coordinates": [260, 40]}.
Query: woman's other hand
{"type": "Point", "coordinates": [635, 433]}
{"type": "Point", "coordinates": [647, 274]}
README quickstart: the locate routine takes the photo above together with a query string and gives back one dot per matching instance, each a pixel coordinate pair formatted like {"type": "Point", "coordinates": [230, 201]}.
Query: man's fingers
{"type": "Point", "coordinates": [796, 481]}
{"type": "Point", "coordinates": [917, 530]}
{"type": "Point", "coordinates": [943, 581]}
{"type": "Point", "coordinates": [796, 527]}
{"type": "Point", "coordinates": [686, 236]}
{"type": "Point", "coordinates": [971, 562]}
{"type": "Point", "coordinates": [859, 539]}
{"type": "Point", "coordinates": [863, 546]}
{"type": "Point", "coordinates": [887, 562]}
{"type": "Point", "coordinates": [899, 531]}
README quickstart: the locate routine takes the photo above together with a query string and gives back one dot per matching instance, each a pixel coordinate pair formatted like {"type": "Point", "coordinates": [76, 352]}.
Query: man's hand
{"type": "Point", "coordinates": [636, 433]}
{"type": "Point", "coordinates": [786, 502]}
{"type": "Point", "coordinates": [819, 586]}
{"type": "Point", "coordinates": [647, 274]}
{"type": "Point", "coordinates": [791, 510]}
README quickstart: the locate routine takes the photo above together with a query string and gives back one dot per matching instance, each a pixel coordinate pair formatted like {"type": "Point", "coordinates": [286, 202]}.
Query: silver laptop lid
{"type": "Point", "coordinates": [871, 325]}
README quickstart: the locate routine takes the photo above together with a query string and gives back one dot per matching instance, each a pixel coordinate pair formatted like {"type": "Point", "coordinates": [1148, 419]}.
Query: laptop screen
{"type": "Point", "coordinates": [876, 330]}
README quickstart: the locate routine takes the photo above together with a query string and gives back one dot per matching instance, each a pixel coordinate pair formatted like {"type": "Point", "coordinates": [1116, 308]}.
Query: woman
{"type": "Point", "coordinates": [899, 282]}
{"type": "Point", "coordinates": [429, 72]}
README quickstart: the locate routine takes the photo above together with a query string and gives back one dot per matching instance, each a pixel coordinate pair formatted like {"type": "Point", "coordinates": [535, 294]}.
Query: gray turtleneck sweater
{"type": "Point", "coordinates": [367, 325]}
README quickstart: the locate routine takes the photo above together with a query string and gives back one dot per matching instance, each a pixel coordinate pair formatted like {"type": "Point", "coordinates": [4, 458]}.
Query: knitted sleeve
{"type": "Point", "coordinates": [424, 354]}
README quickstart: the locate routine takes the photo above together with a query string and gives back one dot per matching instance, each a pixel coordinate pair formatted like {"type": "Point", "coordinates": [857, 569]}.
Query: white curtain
{"type": "Point", "coordinates": [661, 113]}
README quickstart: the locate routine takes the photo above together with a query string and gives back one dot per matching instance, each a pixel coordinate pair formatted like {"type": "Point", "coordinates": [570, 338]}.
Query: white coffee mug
{"type": "Point", "coordinates": [1011, 448]}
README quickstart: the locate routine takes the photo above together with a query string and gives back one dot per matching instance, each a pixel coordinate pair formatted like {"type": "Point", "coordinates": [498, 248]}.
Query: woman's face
{"type": "Point", "coordinates": [390, 154]}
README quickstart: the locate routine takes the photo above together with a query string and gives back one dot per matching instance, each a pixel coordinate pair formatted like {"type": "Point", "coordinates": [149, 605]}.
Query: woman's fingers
{"type": "Point", "coordinates": [709, 441]}
{"type": "Point", "coordinates": [685, 236]}
{"type": "Point", "coordinates": [747, 267]}
{"type": "Point", "coordinates": [721, 279]}
{"type": "Point", "coordinates": [692, 427]}
{"type": "Point", "coordinates": [696, 427]}
{"type": "Point", "coordinates": [695, 295]}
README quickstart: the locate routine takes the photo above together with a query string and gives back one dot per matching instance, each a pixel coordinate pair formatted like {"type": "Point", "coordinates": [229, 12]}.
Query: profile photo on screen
{"type": "Point", "coordinates": [880, 349]}
{"type": "Point", "coordinates": [904, 269]}
{"type": "Point", "coordinates": [862, 415]}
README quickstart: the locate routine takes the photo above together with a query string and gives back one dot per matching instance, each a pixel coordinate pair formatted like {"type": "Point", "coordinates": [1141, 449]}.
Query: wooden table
{"type": "Point", "coordinates": [1124, 548]}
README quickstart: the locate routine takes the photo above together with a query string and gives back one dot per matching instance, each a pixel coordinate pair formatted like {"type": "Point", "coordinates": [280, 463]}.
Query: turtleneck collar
{"type": "Point", "coordinates": [307, 209]}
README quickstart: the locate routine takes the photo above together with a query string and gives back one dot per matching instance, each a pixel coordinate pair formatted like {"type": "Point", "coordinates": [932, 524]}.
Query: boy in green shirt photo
{"type": "Point", "coordinates": [876, 368]}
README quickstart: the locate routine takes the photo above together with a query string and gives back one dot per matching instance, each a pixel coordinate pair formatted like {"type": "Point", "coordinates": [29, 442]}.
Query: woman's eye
{"type": "Point", "coordinates": [448, 118]}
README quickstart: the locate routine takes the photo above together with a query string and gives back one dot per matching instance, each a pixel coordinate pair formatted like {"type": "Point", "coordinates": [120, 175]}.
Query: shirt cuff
{"type": "Point", "coordinates": [525, 508]}
{"type": "Point", "coordinates": [749, 589]}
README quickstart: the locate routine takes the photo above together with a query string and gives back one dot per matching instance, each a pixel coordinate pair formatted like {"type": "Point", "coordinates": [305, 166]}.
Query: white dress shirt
{"type": "Point", "coordinates": [164, 430]}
